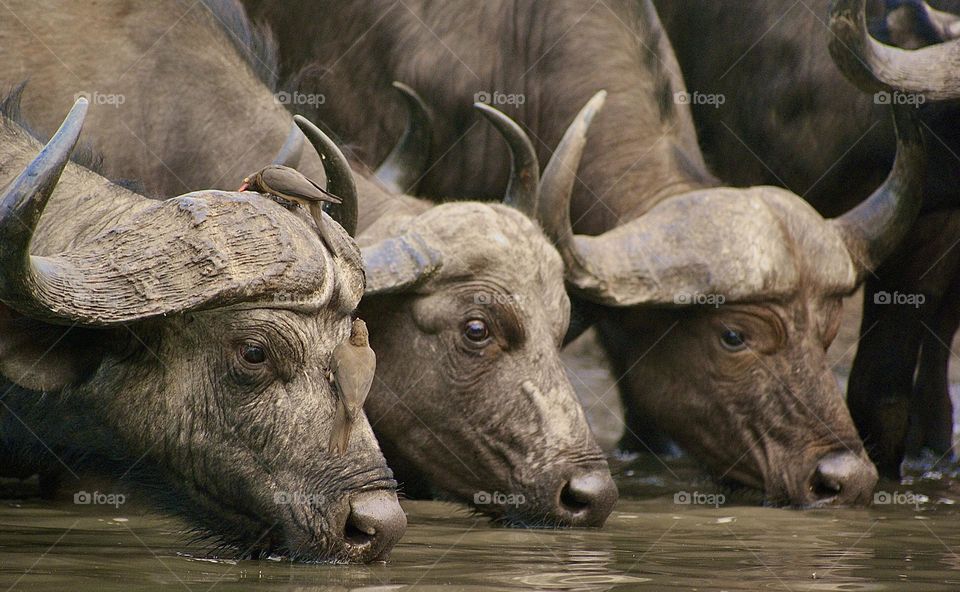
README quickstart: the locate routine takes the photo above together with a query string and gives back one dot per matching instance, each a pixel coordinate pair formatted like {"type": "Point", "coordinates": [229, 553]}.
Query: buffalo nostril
{"type": "Point", "coordinates": [375, 524]}
{"type": "Point", "coordinates": [588, 498]}
{"type": "Point", "coordinates": [574, 500]}
{"type": "Point", "coordinates": [842, 477]}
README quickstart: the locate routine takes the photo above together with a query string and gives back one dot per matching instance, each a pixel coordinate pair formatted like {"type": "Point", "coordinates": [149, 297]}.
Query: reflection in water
{"type": "Point", "coordinates": [578, 567]}
{"type": "Point", "coordinates": [650, 544]}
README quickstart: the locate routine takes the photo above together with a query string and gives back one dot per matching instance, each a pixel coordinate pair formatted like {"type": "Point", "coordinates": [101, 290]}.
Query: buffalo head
{"type": "Point", "coordinates": [728, 299]}
{"type": "Point", "coordinates": [185, 343]}
{"type": "Point", "coordinates": [467, 309]}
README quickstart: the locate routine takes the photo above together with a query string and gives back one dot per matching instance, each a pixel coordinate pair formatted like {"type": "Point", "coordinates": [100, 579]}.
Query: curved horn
{"type": "Point", "coordinates": [155, 261]}
{"type": "Point", "coordinates": [289, 154]}
{"type": "Point", "coordinates": [340, 181]}
{"type": "Point", "coordinates": [395, 264]}
{"type": "Point", "coordinates": [933, 71]}
{"type": "Point", "coordinates": [523, 192]}
{"type": "Point", "coordinates": [24, 285]}
{"type": "Point", "coordinates": [556, 188]}
{"type": "Point", "coordinates": [873, 229]}
{"type": "Point", "coordinates": [406, 163]}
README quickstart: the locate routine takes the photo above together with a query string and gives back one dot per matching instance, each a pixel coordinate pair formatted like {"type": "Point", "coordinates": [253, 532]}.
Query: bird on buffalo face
{"type": "Point", "coordinates": [352, 372]}
{"type": "Point", "coordinates": [290, 185]}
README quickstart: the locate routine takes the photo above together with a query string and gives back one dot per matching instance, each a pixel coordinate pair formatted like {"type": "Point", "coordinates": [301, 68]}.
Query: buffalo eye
{"type": "Point", "coordinates": [476, 331]}
{"type": "Point", "coordinates": [733, 340]}
{"type": "Point", "coordinates": [253, 353]}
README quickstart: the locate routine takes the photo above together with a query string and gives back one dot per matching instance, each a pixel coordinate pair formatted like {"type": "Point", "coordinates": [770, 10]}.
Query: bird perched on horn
{"type": "Point", "coordinates": [290, 185]}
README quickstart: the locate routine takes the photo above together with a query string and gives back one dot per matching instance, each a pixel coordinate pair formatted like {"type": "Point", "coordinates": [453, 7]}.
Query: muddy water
{"type": "Point", "coordinates": [717, 540]}
{"type": "Point", "coordinates": [650, 542]}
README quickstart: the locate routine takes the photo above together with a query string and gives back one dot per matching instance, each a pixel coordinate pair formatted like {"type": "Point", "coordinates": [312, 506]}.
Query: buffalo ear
{"type": "Point", "coordinates": [44, 357]}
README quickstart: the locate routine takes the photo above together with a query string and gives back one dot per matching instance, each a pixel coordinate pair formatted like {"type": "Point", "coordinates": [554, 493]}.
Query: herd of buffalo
{"type": "Point", "coordinates": [490, 180]}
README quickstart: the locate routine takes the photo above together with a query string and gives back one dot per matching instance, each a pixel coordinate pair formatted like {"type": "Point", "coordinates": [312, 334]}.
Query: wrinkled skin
{"type": "Point", "coordinates": [174, 404]}
{"type": "Point", "coordinates": [642, 154]}
{"type": "Point", "coordinates": [687, 348]}
{"type": "Point", "coordinates": [560, 471]}
{"type": "Point", "coordinates": [819, 136]}
{"type": "Point", "coordinates": [493, 411]}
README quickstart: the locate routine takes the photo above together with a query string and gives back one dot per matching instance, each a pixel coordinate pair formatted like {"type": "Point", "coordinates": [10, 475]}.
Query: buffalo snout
{"type": "Point", "coordinates": [841, 478]}
{"type": "Point", "coordinates": [586, 497]}
{"type": "Point", "coordinates": [374, 525]}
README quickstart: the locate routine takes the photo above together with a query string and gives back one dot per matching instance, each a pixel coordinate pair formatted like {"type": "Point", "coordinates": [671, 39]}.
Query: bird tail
{"type": "Point", "coordinates": [340, 433]}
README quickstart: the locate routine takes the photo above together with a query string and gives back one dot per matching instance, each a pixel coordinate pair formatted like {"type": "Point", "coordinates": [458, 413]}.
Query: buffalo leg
{"type": "Point", "coordinates": [933, 415]}
{"type": "Point", "coordinates": [881, 379]}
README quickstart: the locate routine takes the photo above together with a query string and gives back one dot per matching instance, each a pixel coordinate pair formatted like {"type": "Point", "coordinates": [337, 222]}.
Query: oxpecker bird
{"type": "Point", "coordinates": [289, 184]}
{"type": "Point", "coordinates": [353, 367]}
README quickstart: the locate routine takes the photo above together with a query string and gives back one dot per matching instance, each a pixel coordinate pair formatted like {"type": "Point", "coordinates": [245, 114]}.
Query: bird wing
{"type": "Point", "coordinates": [353, 372]}
{"type": "Point", "coordinates": [289, 182]}
{"type": "Point", "coordinates": [340, 431]}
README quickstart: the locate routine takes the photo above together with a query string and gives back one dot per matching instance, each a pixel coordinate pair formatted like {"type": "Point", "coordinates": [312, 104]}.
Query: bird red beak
{"type": "Point", "coordinates": [244, 187]}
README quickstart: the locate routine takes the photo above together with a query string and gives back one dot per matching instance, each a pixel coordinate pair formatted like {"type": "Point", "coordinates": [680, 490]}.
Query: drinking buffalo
{"type": "Point", "coordinates": [802, 126]}
{"type": "Point", "coordinates": [471, 305]}
{"type": "Point", "coordinates": [654, 243]}
{"type": "Point", "coordinates": [144, 339]}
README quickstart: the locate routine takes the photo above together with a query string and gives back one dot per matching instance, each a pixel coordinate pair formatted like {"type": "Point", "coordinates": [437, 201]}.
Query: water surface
{"type": "Point", "coordinates": [650, 543]}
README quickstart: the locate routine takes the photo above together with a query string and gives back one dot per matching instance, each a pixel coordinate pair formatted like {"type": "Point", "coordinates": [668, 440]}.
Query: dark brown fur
{"type": "Point", "coordinates": [792, 120]}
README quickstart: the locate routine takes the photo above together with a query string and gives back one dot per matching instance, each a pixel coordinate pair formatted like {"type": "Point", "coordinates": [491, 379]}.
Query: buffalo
{"type": "Point", "coordinates": [144, 339]}
{"type": "Point", "coordinates": [715, 304]}
{"type": "Point", "coordinates": [804, 127]}
{"type": "Point", "coordinates": [474, 298]}
{"type": "Point", "coordinates": [460, 418]}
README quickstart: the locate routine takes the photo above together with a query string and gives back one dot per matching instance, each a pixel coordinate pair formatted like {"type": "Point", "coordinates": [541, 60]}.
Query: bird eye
{"type": "Point", "coordinates": [733, 340]}
{"type": "Point", "coordinates": [253, 353]}
{"type": "Point", "coordinates": [476, 331]}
